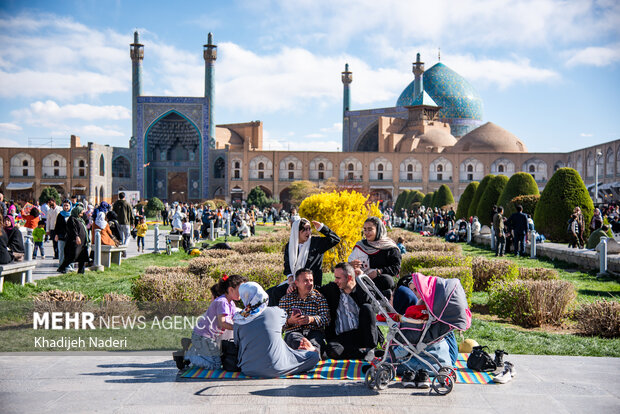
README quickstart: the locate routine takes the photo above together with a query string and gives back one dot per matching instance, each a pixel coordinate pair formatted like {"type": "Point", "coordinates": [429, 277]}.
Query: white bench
{"type": "Point", "coordinates": [19, 268]}
{"type": "Point", "coordinates": [175, 240]}
{"type": "Point", "coordinates": [112, 254]}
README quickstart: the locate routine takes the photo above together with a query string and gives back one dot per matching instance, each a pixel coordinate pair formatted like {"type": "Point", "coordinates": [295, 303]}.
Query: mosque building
{"type": "Point", "coordinates": [435, 134]}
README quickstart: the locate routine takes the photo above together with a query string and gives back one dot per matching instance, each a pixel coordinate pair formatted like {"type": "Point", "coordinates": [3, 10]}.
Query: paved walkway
{"type": "Point", "coordinates": [47, 267]}
{"type": "Point", "coordinates": [148, 383]}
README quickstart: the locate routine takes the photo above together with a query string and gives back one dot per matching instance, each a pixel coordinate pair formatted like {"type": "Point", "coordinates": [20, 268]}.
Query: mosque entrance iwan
{"type": "Point", "coordinates": [177, 187]}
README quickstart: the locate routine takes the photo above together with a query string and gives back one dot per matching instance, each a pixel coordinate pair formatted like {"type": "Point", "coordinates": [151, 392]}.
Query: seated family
{"type": "Point", "coordinates": [335, 320]}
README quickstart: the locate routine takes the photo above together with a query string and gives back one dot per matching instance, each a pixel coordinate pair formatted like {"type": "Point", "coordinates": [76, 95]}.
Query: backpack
{"type": "Point", "coordinates": [569, 229]}
{"type": "Point", "coordinates": [480, 360]}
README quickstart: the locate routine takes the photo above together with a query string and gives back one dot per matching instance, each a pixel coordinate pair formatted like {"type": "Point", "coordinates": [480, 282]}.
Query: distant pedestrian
{"type": "Point", "coordinates": [38, 235]}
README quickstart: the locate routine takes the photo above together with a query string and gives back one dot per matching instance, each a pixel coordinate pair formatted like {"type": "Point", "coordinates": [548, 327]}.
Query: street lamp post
{"type": "Point", "coordinates": [599, 154]}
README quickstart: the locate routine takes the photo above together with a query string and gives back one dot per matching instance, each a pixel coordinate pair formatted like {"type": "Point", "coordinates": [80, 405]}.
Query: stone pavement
{"type": "Point", "coordinates": [148, 382]}
{"type": "Point", "coordinates": [47, 267]}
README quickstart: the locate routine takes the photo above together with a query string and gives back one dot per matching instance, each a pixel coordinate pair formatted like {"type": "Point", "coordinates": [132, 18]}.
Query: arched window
{"type": "Point", "coordinates": [25, 163]}
{"type": "Point", "coordinates": [439, 168]}
{"type": "Point", "coordinates": [609, 171]}
{"type": "Point", "coordinates": [500, 168]}
{"type": "Point", "coordinates": [380, 167]}
{"type": "Point", "coordinates": [121, 167]}
{"type": "Point", "coordinates": [321, 166]}
{"type": "Point", "coordinates": [261, 170]}
{"type": "Point", "coordinates": [219, 168]}
{"type": "Point", "coordinates": [291, 166]}
{"type": "Point", "coordinates": [101, 168]}
{"type": "Point", "coordinates": [82, 164]}
{"type": "Point", "coordinates": [56, 163]}
{"type": "Point", "coordinates": [350, 167]}
{"type": "Point", "coordinates": [409, 168]}
{"type": "Point", "coordinates": [470, 168]}
{"type": "Point", "coordinates": [532, 168]}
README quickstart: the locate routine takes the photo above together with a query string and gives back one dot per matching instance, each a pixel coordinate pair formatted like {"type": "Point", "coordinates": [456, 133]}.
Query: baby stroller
{"type": "Point", "coordinates": [447, 307]}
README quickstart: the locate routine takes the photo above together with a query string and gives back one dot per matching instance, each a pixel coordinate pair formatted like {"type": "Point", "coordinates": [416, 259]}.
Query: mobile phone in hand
{"type": "Point", "coordinates": [296, 312]}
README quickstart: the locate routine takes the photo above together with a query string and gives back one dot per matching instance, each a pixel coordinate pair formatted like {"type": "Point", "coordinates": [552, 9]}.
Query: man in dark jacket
{"type": "Point", "coordinates": [352, 331]}
{"type": "Point", "coordinates": [518, 224]}
{"type": "Point", "coordinates": [124, 212]}
{"type": "Point", "coordinates": [498, 228]}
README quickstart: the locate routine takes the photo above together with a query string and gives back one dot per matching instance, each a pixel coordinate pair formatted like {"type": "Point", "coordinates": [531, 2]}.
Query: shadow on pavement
{"type": "Point", "coordinates": [144, 373]}
{"type": "Point", "coordinates": [318, 390]}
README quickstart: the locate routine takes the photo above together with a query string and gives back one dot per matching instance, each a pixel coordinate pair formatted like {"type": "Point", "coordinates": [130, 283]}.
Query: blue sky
{"type": "Point", "coordinates": [547, 70]}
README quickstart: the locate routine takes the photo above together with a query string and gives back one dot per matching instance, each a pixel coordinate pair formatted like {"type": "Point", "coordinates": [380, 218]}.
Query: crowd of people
{"type": "Point", "coordinates": [288, 328]}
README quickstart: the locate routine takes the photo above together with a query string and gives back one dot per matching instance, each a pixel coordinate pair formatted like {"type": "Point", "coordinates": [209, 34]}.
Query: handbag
{"type": "Point", "coordinates": [134, 232]}
{"type": "Point", "coordinates": [480, 360]}
{"type": "Point", "coordinates": [230, 353]}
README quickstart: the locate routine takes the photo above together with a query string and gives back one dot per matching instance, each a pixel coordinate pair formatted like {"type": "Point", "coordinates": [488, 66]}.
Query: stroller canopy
{"type": "Point", "coordinates": [445, 300]}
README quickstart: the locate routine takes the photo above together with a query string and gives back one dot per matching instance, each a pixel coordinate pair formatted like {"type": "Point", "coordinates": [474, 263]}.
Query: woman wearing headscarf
{"type": "Point", "coordinates": [377, 255]}
{"type": "Point", "coordinates": [5, 255]}
{"type": "Point", "coordinates": [60, 230]}
{"type": "Point", "coordinates": [303, 251]}
{"type": "Point", "coordinates": [100, 223]}
{"type": "Point", "coordinates": [77, 241]}
{"type": "Point", "coordinates": [258, 334]}
{"type": "Point", "coordinates": [15, 242]}
{"type": "Point", "coordinates": [112, 219]}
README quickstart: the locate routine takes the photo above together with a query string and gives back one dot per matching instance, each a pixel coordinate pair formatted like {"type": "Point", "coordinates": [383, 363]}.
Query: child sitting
{"type": "Point", "coordinates": [216, 324]}
{"type": "Point", "coordinates": [401, 245]}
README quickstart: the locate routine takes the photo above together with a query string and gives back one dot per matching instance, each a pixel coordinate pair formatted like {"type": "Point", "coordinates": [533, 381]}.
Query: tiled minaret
{"type": "Point", "coordinates": [136, 52]}
{"type": "Point", "coordinates": [210, 55]}
{"type": "Point", "coordinates": [347, 78]}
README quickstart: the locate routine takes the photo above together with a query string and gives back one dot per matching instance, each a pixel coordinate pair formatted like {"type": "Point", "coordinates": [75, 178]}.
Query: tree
{"type": "Point", "coordinates": [519, 184]}
{"type": "Point", "coordinates": [154, 207]}
{"type": "Point", "coordinates": [473, 207]}
{"type": "Point", "coordinates": [564, 191]}
{"type": "Point", "coordinates": [344, 212]}
{"type": "Point", "coordinates": [400, 201]}
{"type": "Point", "coordinates": [47, 194]}
{"type": "Point", "coordinates": [427, 201]}
{"type": "Point", "coordinates": [489, 199]}
{"type": "Point", "coordinates": [528, 202]}
{"type": "Point", "coordinates": [466, 199]}
{"type": "Point", "coordinates": [415, 196]}
{"type": "Point", "coordinates": [258, 198]}
{"type": "Point", "coordinates": [443, 197]}
{"type": "Point", "coordinates": [299, 190]}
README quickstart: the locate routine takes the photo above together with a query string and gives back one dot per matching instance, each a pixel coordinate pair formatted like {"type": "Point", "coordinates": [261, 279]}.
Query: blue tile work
{"type": "Point", "coordinates": [150, 108]}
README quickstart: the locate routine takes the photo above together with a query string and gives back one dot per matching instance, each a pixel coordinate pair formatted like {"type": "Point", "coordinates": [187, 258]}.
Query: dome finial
{"type": "Point", "coordinates": [439, 54]}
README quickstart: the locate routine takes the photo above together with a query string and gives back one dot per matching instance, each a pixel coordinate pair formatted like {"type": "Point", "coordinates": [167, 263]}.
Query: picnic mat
{"type": "Point", "coordinates": [347, 369]}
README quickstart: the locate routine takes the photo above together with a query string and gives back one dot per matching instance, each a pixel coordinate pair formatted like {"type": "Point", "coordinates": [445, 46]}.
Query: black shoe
{"type": "Point", "coordinates": [422, 380]}
{"type": "Point", "coordinates": [499, 357]}
{"type": "Point", "coordinates": [179, 359]}
{"type": "Point", "coordinates": [408, 379]}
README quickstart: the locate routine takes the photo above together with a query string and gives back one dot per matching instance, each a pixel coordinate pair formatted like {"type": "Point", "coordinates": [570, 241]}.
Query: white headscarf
{"type": "Point", "coordinates": [100, 220]}
{"type": "Point", "coordinates": [255, 300]}
{"type": "Point", "coordinates": [297, 253]}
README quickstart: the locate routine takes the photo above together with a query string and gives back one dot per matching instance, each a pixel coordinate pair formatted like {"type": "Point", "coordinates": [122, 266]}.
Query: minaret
{"type": "Point", "coordinates": [418, 71]}
{"type": "Point", "coordinates": [210, 55]}
{"type": "Point", "coordinates": [347, 78]}
{"type": "Point", "coordinates": [136, 51]}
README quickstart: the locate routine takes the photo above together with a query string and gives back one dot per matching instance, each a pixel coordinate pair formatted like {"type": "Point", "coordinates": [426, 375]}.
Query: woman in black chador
{"type": "Point", "coordinates": [77, 242]}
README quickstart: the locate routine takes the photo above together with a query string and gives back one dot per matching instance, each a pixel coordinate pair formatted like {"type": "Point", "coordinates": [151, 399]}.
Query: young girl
{"type": "Point", "coordinates": [216, 324]}
{"type": "Point", "coordinates": [141, 232]}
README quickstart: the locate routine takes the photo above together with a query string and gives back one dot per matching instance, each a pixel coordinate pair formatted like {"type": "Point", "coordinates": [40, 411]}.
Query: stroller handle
{"type": "Point", "coordinates": [371, 289]}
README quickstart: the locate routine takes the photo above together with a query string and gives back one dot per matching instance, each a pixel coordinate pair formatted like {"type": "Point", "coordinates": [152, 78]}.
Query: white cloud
{"type": "Point", "coordinates": [336, 127]}
{"type": "Point", "coordinates": [88, 131]}
{"type": "Point", "coordinates": [314, 135]}
{"type": "Point", "coordinates": [584, 134]}
{"type": "Point", "coordinates": [593, 56]}
{"type": "Point", "coordinates": [9, 127]}
{"type": "Point", "coordinates": [50, 110]}
{"type": "Point", "coordinates": [5, 142]}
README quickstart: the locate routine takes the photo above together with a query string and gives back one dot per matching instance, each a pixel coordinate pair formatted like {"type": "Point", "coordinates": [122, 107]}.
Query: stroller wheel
{"type": "Point", "coordinates": [448, 371]}
{"type": "Point", "coordinates": [383, 377]}
{"type": "Point", "coordinates": [442, 384]}
{"type": "Point", "coordinates": [370, 377]}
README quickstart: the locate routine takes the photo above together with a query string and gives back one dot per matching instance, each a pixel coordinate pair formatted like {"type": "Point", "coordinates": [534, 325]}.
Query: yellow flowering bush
{"type": "Point", "coordinates": [344, 212]}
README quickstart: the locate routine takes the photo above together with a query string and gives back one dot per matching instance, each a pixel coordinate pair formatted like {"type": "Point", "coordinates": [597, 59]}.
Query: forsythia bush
{"type": "Point", "coordinates": [344, 212]}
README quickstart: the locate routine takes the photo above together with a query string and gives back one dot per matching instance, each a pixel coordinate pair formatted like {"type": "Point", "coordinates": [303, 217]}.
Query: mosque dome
{"type": "Point", "coordinates": [459, 101]}
{"type": "Point", "coordinates": [432, 138]}
{"type": "Point", "coordinates": [489, 138]}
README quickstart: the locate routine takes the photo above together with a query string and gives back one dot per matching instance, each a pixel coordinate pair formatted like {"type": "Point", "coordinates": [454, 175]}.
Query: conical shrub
{"type": "Point", "coordinates": [473, 207]}
{"type": "Point", "coordinates": [466, 199]}
{"type": "Point", "coordinates": [519, 184]}
{"type": "Point", "coordinates": [489, 199]}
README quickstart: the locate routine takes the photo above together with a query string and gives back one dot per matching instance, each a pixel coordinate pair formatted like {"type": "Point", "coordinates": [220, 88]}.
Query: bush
{"type": "Point", "coordinates": [154, 207]}
{"type": "Point", "coordinates": [538, 273]}
{"type": "Point", "coordinates": [413, 197]}
{"type": "Point", "coordinates": [57, 300]}
{"type": "Point", "coordinates": [172, 286]}
{"type": "Point", "coordinates": [258, 198]}
{"type": "Point", "coordinates": [413, 262]}
{"type": "Point", "coordinates": [489, 199]}
{"type": "Point", "coordinates": [486, 271]}
{"type": "Point", "coordinates": [344, 212]}
{"type": "Point", "coordinates": [463, 273]}
{"type": "Point", "coordinates": [473, 207]}
{"type": "Point", "coordinates": [443, 197]}
{"type": "Point", "coordinates": [466, 199]}
{"type": "Point", "coordinates": [47, 194]}
{"type": "Point", "coordinates": [400, 201]}
{"type": "Point", "coordinates": [422, 245]}
{"type": "Point", "coordinates": [531, 303]}
{"type": "Point", "coordinates": [427, 201]}
{"type": "Point", "coordinates": [528, 202]}
{"type": "Point", "coordinates": [116, 304]}
{"type": "Point", "coordinates": [519, 184]}
{"type": "Point", "coordinates": [564, 191]}
{"type": "Point", "coordinates": [600, 318]}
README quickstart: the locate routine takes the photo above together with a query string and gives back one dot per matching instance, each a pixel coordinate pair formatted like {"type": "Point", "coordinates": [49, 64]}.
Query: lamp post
{"type": "Point", "coordinates": [599, 154]}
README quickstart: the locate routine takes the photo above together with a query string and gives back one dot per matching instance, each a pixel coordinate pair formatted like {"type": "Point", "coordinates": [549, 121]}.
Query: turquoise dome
{"type": "Point", "coordinates": [457, 98]}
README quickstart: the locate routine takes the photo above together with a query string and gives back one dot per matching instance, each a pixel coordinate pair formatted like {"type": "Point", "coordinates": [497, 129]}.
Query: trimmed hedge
{"type": "Point", "coordinates": [413, 197]}
{"type": "Point", "coordinates": [528, 202]}
{"type": "Point", "coordinates": [519, 184]}
{"type": "Point", "coordinates": [412, 262]}
{"type": "Point", "coordinates": [489, 199]}
{"type": "Point", "coordinates": [173, 286]}
{"type": "Point", "coordinates": [265, 269]}
{"type": "Point", "coordinates": [419, 245]}
{"type": "Point", "coordinates": [466, 199]}
{"type": "Point", "coordinates": [601, 318]}
{"type": "Point", "coordinates": [443, 197]}
{"type": "Point", "coordinates": [564, 191]}
{"type": "Point", "coordinates": [463, 273]}
{"type": "Point", "coordinates": [400, 201]}
{"type": "Point", "coordinates": [538, 273]}
{"type": "Point", "coordinates": [532, 303]}
{"type": "Point", "coordinates": [485, 271]}
{"type": "Point", "coordinates": [427, 201]}
{"type": "Point", "coordinates": [473, 207]}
